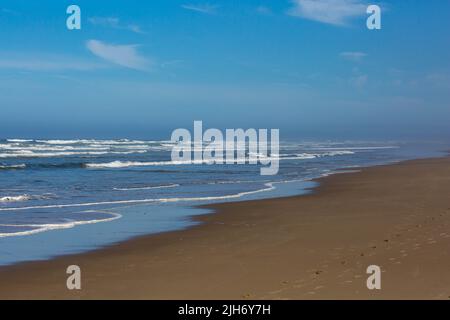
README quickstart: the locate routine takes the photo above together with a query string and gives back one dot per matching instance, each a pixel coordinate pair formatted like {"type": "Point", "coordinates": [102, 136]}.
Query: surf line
{"type": "Point", "coordinates": [210, 147]}
{"type": "Point", "coordinates": [268, 187]}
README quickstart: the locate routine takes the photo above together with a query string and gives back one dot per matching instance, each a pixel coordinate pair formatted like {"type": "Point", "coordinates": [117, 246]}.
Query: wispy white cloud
{"type": "Point", "coordinates": [335, 12]}
{"type": "Point", "coordinates": [123, 55]}
{"type": "Point", "coordinates": [202, 8]}
{"type": "Point", "coordinates": [354, 56]}
{"type": "Point", "coordinates": [113, 22]}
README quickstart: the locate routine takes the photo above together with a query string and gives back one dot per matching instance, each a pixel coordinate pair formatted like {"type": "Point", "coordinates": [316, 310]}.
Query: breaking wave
{"type": "Point", "coordinates": [25, 197]}
{"type": "Point", "coordinates": [13, 167]}
{"type": "Point", "coordinates": [268, 187]}
{"type": "Point", "coordinates": [20, 198]}
{"type": "Point", "coordinates": [126, 164]}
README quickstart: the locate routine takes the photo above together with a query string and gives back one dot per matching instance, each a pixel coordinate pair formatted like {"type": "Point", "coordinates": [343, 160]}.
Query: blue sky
{"type": "Point", "coordinates": [308, 67]}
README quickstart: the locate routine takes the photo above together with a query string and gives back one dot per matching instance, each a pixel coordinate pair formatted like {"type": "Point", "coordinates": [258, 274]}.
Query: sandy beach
{"type": "Point", "coordinates": [316, 246]}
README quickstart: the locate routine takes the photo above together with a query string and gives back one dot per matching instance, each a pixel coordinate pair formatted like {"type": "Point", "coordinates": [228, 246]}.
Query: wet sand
{"type": "Point", "coordinates": [316, 246]}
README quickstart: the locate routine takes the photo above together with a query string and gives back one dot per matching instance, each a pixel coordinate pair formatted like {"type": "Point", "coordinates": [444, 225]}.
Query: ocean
{"type": "Point", "coordinates": [62, 197]}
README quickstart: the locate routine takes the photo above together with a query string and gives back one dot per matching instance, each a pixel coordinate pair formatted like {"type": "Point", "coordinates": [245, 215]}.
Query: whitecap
{"type": "Point", "coordinates": [13, 166]}
{"type": "Point", "coordinates": [20, 198]}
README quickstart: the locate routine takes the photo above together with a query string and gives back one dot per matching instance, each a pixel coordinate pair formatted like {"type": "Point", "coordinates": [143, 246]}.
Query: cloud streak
{"type": "Point", "coordinates": [201, 8]}
{"type": "Point", "coordinates": [122, 55]}
{"type": "Point", "coordinates": [354, 56]}
{"type": "Point", "coordinates": [334, 12]}
{"type": "Point", "coordinates": [113, 22]}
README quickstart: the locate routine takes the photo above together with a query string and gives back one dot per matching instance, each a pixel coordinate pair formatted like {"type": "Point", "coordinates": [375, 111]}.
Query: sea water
{"type": "Point", "coordinates": [68, 196]}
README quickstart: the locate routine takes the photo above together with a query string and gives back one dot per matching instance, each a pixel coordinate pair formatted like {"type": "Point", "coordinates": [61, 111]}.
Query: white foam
{"type": "Point", "coordinates": [47, 227]}
{"type": "Point", "coordinates": [338, 153]}
{"type": "Point", "coordinates": [304, 156]}
{"type": "Point", "coordinates": [126, 164]}
{"type": "Point", "coordinates": [26, 197]}
{"type": "Point", "coordinates": [268, 187]}
{"type": "Point", "coordinates": [148, 188]}
{"type": "Point", "coordinates": [59, 141]}
{"type": "Point", "coordinates": [357, 148]}
{"type": "Point", "coordinates": [236, 182]}
{"type": "Point", "coordinates": [19, 140]}
{"type": "Point", "coordinates": [94, 141]}
{"type": "Point", "coordinates": [31, 154]}
{"type": "Point", "coordinates": [13, 166]}
{"type": "Point", "coordinates": [20, 198]}
{"type": "Point", "coordinates": [50, 148]}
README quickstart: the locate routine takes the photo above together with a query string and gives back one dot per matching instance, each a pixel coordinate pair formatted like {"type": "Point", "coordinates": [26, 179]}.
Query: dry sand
{"type": "Point", "coordinates": [307, 247]}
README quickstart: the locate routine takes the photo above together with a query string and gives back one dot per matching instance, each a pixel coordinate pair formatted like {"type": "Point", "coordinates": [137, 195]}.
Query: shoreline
{"type": "Point", "coordinates": [209, 208]}
{"type": "Point", "coordinates": [230, 253]}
